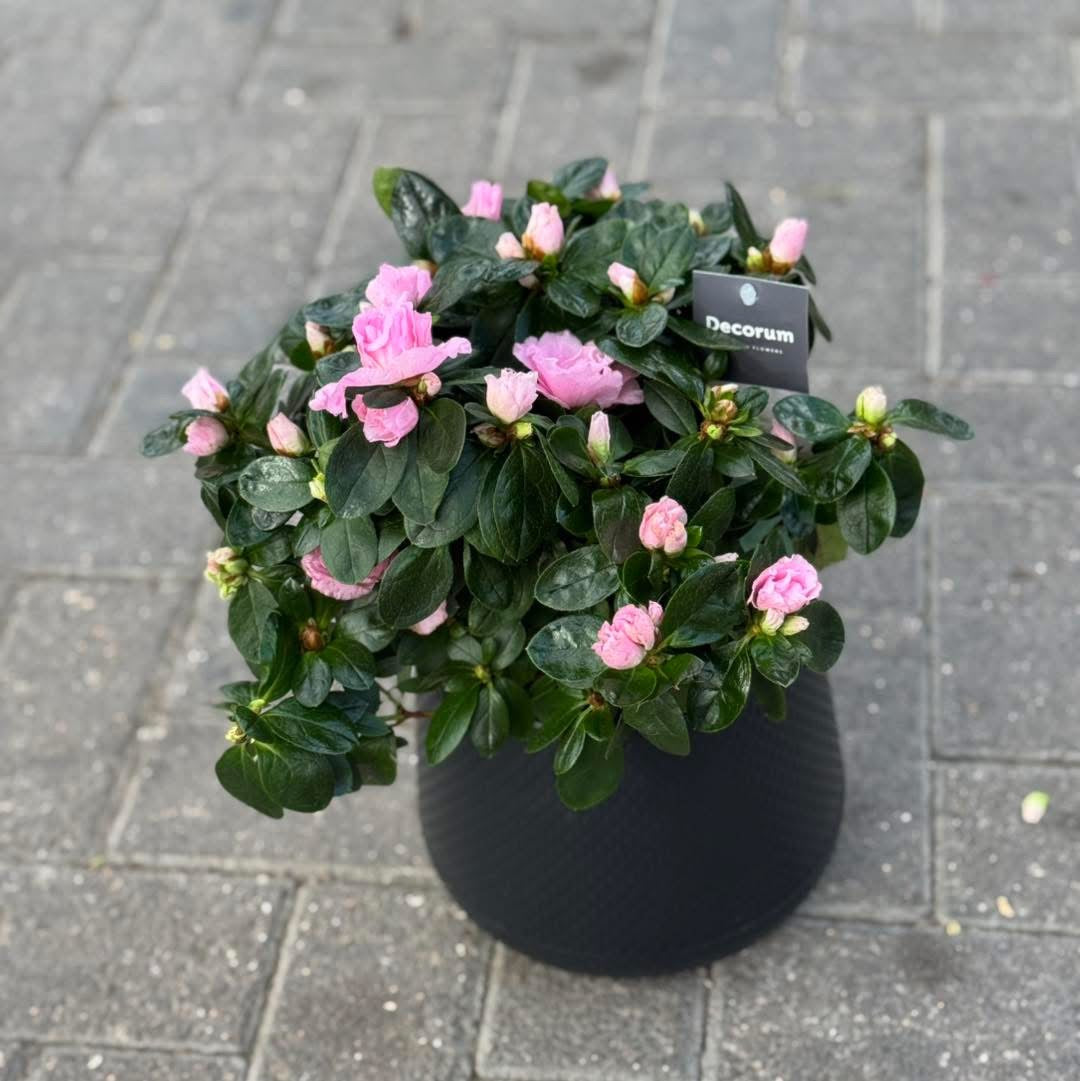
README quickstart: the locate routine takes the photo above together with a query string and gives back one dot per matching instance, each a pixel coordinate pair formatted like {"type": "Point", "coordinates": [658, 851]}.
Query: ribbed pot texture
{"type": "Point", "coordinates": [691, 859]}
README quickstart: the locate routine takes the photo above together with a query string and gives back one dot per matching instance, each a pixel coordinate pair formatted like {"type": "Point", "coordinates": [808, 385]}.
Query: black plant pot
{"type": "Point", "coordinates": [691, 858]}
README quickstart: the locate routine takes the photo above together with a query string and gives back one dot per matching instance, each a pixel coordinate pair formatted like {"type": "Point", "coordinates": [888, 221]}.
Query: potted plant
{"type": "Point", "coordinates": [509, 478]}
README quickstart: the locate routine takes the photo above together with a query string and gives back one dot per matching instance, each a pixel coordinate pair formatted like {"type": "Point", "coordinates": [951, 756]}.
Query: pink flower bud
{"type": "Point", "coordinates": [319, 342]}
{"type": "Point", "coordinates": [625, 641]}
{"type": "Point", "coordinates": [781, 432]}
{"type": "Point", "coordinates": [510, 394]}
{"type": "Point", "coordinates": [205, 435]}
{"type": "Point", "coordinates": [794, 625]}
{"type": "Point", "coordinates": [544, 233]}
{"type": "Point", "coordinates": [786, 246]}
{"type": "Point", "coordinates": [608, 188]}
{"type": "Point", "coordinates": [871, 405]}
{"type": "Point", "coordinates": [789, 584]}
{"type": "Point", "coordinates": [599, 441]}
{"type": "Point", "coordinates": [626, 280]}
{"type": "Point", "coordinates": [663, 526]}
{"type": "Point", "coordinates": [286, 437]}
{"type": "Point", "coordinates": [429, 385]}
{"type": "Point", "coordinates": [226, 570]}
{"type": "Point", "coordinates": [509, 247]}
{"type": "Point", "coordinates": [431, 623]}
{"type": "Point", "coordinates": [205, 392]}
{"type": "Point", "coordinates": [485, 201]}
{"type": "Point", "coordinates": [727, 557]}
{"type": "Point", "coordinates": [771, 621]}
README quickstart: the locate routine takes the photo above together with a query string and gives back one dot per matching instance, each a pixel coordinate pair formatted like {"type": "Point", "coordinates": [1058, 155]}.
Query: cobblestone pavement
{"type": "Point", "coordinates": [175, 175]}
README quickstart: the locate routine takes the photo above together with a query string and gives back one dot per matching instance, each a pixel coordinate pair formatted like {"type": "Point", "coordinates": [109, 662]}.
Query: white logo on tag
{"type": "Point", "coordinates": [748, 295]}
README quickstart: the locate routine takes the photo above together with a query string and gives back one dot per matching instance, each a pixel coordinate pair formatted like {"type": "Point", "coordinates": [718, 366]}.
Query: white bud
{"type": "Point", "coordinates": [871, 405]}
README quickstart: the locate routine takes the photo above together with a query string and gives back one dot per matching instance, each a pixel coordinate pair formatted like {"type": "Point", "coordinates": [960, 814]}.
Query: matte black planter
{"type": "Point", "coordinates": [692, 857]}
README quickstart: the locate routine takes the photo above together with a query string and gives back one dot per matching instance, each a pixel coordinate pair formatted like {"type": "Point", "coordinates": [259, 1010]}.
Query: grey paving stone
{"type": "Point", "coordinates": [1021, 16]}
{"type": "Point", "coordinates": [540, 19]}
{"type": "Point", "coordinates": [103, 516]}
{"type": "Point", "coordinates": [543, 1022]}
{"type": "Point", "coordinates": [42, 140]}
{"type": "Point", "coordinates": [1009, 324]}
{"type": "Point", "coordinates": [195, 50]}
{"type": "Point", "coordinates": [400, 75]}
{"type": "Point", "coordinates": [181, 813]}
{"type": "Point", "coordinates": [1010, 197]}
{"type": "Point", "coordinates": [581, 101]}
{"type": "Point", "coordinates": [843, 15]}
{"type": "Point", "coordinates": [1007, 588]}
{"type": "Point", "coordinates": [90, 1064]}
{"type": "Point", "coordinates": [769, 158]}
{"type": "Point", "coordinates": [880, 867]}
{"type": "Point", "coordinates": [1022, 435]}
{"type": "Point", "coordinates": [987, 852]}
{"type": "Point", "coordinates": [85, 318]}
{"type": "Point", "coordinates": [245, 273]}
{"type": "Point", "coordinates": [118, 957]}
{"type": "Point", "coordinates": [376, 21]}
{"type": "Point", "coordinates": [722, 52]}
{"type": "Point", "coordinates": [381, 982]}
{"type": "Point", "coordinates": [928, 70]}
{"type": "Point", "coordinates": [10, 1061]}
{"type": "Point", "coordinates": [77, 660]}
{"type": "Point", "coordinates": [815, 1000]}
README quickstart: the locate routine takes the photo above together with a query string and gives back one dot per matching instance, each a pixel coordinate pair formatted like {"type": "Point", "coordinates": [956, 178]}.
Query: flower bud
{"type": "Point", "coordinates": [425, 264]}
{"type": "Point", "coordinates": [755, 260]}
{"type": "Point", "coordinates": [794, 625]}
{"type": "Point", "coordinates": [599, 441]}
{"type": "Point", "coordinates": [545, 233]}
{"type": "Point", "coordinates": [696, 221]}
{"type": "Point", "coordinates": [521, 429]}
{"type": "Point", "coordinates": [771, 621]}
{"type": "Point", "coordinates": [626, 280]}
{"type": "Point", "coordinates": [665, 296]}
{"type": "Point", "coordinates": [428, 386]}
{"type": "Point", "coordinates": [871, 406]}
{"type": "Point", "coordinates": [786, 456]}
{"type": "Point", "coordinates": [205, 392]}
{"type": "Point", "coordinates": [226, 570]}
{"type": "Point", "coordinates": [727, 557]}
{"type": "Point", "coordinates": [788, 240]}
{"type": "Point", "coordinates": [509, 247]}
{"type": "Point", "coordinates": [510, 394]}
{"type": "Point", "coordinates": [608, 188]}
{"type": "Point", "coordinates": [319, 341]}
{"type": "Point", "coordinates": [489, 435]}
{"type": "Point", "coordinates": [485, 201]}
{"type": "Point", "coordinates": [286, 437]}
{"type": "Point", "coordinates": [317, 486]}
{"type": "Point", "coordinates": [663, 526]}
{"type": "Point", "coordinates": [887, 440]}
{"type": "Point", "coordinates": [311, 638]}
{"type": "Point", "coordinates": [205, 435]}
{"type": "Point", "coordinates": [1033, 807]}
{"type": "Point", "coordinates": [235, 734]}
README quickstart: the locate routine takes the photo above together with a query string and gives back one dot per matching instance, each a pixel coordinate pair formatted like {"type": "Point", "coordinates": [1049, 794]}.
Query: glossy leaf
{"type": "Point", "coordinates": [450, 722]}
{"type": "Point", "coordinates": [563, 650]}
{"type": "Point", "coordinates": [362, 476]}
{"type": "Point", "coordinates": [824, 637]}
{"type": "Point", "coordinates": [866, 515]}
{"type": "Point", "coordinates": [831, 475]}
{"type": "Point", "coordinates": [581, 578]}
{"type": "Point", "coordinates": [276, 483]}
{"type": "Point", "coordinates": [913, 413]}
{"type": "Point", "coordinates": [349, 548]}
{"type": "Point", "coordinates": [811, 418]}
{"type": "Point", "coordinates": [662, 723]}
{"type": "Point", "coordinates": [416, 583]}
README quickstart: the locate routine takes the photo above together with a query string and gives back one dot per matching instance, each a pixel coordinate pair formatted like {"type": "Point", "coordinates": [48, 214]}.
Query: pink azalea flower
{"type": "Point", "coordinates": [663, 526]}
{"type": "Point", "coordinates": [608, 188]}
{"type": "Point", "coordinates": [395, 285]}
{"type": "Point", "coordinates": [286, 437]}
{"type": "Point", "coordinates": [544, 234]}
{"type": "Point", "coordinates": [485, 201]}
{"type": "Point", "coordinates": [789, 584]}
{"type": "Point", "coordinates": [430, 624]}
{"type": "Point", "coordinates": [627, 638]}
{"type": "Point", "coordinates": [205, 435]}
{"type": "Point", "coordinates": [575, 374]}
{"type": "Point", "coordinates": [322, 581]}
{"type": "Point", "coordinates": [205, 392]}
{"type": "Point", "coordinates": [788, 240]}
{"type": "Point", "coordinates": [781, 432]}
{"type": "Point", "coordinates": [509, 247]}
{"type": "Point", "coordinates": [510, 394]}
{"type": "Point", "coordinates": [390, 425]}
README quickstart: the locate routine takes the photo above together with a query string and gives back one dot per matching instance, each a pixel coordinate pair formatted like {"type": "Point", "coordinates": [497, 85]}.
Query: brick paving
{"type": "Point", "coordinates": [176, 175]}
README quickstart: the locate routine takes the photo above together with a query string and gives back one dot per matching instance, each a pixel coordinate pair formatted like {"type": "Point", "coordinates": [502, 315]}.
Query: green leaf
{"type": "Point", "coordinates": [415, 584]}
{"type": "Point", "coordinates": [744, 224]}
{"type": "Point", "coordinates": [349, 548]}
{"type": "Point", "coordinates": [491, 721]}
{"type": "Point", "coordinates": [312, 681]}
{"type": "Point", "coordinates": [731, 460]}
{"type": "Point", "coordinates": [704, 605]}
{"type": "Point", "coordinates": [627, 686]}
{"type": "Point", "coordinates": [660, 254]}
{"type": "Point", "coordinates": [696, 334]}
{"type": "Point", "coordinates": [573, 296]}
{"type": "Point", "coordinates": [867, 513]}
{"type": "Point", "coordinates": [692, 483]}
{"type": "Point", "coordinates": [382, 183]}
{"type": "Point", "coordinates": [362, 476]}
{"type": "Point", "coordinates": [595, 776]}
{"type": "Point", "coordinates": [417, 203]}
{"type": "Point", "coordinates": [776, 658]}
{"type": "Point", "coordinates": [719, 702]}
{"type": "Point", "coordinates": [831, 475]}
{"type": "Point", "coordinates": [670, 407]}
{"type": "Point", "coordinates": [522, 497]}
{"type": "Point", "coordinates": [450, 722]}
{"type": "Point", "coordinates": [714, 516]}
{"type": "Point", "coordinates": [441, 435]}
{"type": "Point", "coordinates": [351, 663]}
{"type": "Point", "coordinates": [577, 580]}
{"type": "Point", "coordinates": [773, 546]}
{"type": "Point", "coordinates": [617, 514]}
{"type": "Point", "coordinates": [457, 511]}
{"type": "Point", "coordinates": [421, 490]}
{"type": "Point", "coordinates": [913, 413]}
{"type": "Point", "coordinates": [811, 418]}
{"type": "Point", "coordinates": [769, 696]}
{"type": "Point", "coordinates": [321, 729]}
{"type": "Point", "coordinates": [578, 178]}
{"type": "Point", "coordinates": [567, 443]}
{"type": "Point", "coordinates": [589, 252]}
{"type": "Point", "coordinates": [164, 440]}
{"type": "Point", "coordinates": [653, 463]}
{"type": "Point", "coordinates": [374, 761]}
{"type": "Point", "coordinates": [489, 580]}
{"type": "Point", "coordinates": [778, 470]}
{"type": "Point", "coordinates": [824, 637]}
{"type": "Point", "coordinates": [563, 650]}
{"type": "Point", "coordinates": [662, 723]}
{"type": "Point", "coordinates": [637, 327]}
{"type": "Point", "coordinates": [236, 771]}
{"type": "Point", "coordinates": [249, 610]}
{"type": "Point", "coordinates": [906, 476]}
{"type": "Point", "coordinates": [571, 747]}
{"type": "Point", "coordinates": [297, 779]}
{"type": "Point", "coordinates": [277, 483]}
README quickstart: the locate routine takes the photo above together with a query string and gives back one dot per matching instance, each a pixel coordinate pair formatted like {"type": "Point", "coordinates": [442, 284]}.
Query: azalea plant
{"type": "Point", "coordinates": [510, 473]}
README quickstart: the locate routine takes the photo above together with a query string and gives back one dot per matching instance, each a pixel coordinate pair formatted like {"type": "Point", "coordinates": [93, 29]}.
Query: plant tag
{"type": "Point", "coordinates": [771, 317]}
